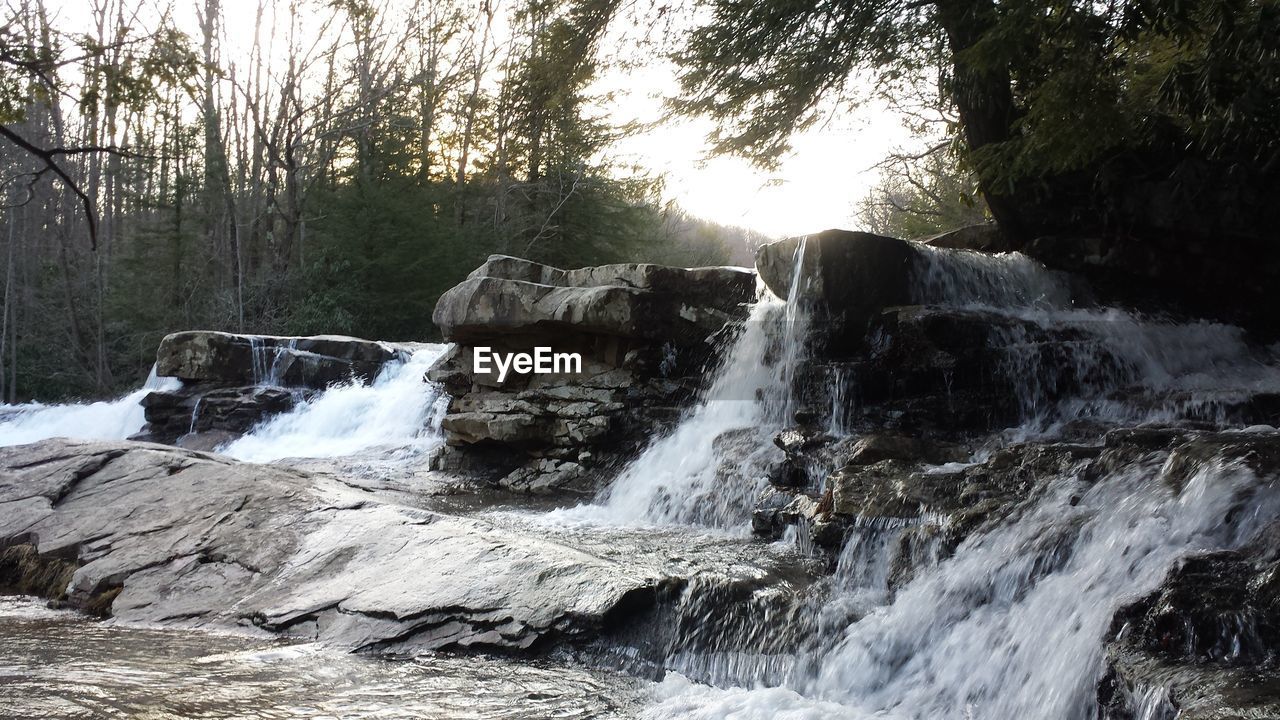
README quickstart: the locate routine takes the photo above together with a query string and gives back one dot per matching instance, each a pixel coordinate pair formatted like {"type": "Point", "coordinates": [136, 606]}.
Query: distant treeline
{"type": "Point", "coordinates": [333, 170]}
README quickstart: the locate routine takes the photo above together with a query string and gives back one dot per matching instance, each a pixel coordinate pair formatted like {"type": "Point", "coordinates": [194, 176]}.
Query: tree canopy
{"type": "Point", "coordinates": [1139, 115]}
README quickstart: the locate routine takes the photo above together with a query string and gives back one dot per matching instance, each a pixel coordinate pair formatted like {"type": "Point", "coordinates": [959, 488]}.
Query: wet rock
{"type": "Point", "coordinates": [203, 408]}
{"type": "Point", "coordinates": [1205, 644]}
{"type": "Point", "coordinates": [547, 474]}
{"type": "Point", "coordinates": [953, 373]}
{"type": "Point", "coordinates": [884, 446]}
{"type": "Point", "coordinates": [206, 441]}
{"type": "Point", "coordinates": [311, 362]}
{"type": "Point", "coordinates": [1206, 640]}
{"type": "Point", "coordinates": [850, 277]}
{"type": "Point", "coordinates": [963, 499]}
{"type": "Point", "coordinates": [776, 510]}
{"type": "Point", "coordinates": [174, 537]}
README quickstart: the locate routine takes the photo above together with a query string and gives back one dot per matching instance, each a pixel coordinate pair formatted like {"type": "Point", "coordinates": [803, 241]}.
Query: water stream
{"type": "Point", "coordinates": [397, 411]}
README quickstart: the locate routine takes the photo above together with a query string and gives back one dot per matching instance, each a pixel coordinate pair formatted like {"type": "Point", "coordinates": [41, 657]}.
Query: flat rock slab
{"type": "Point", "coordinates": [194, 539]}
{"type": "Point", "coordinates": [509, 296]}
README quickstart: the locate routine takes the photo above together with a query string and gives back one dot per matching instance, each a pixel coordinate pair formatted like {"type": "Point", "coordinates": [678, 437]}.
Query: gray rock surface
{"type": "Point", "coordinates": [517, 301]}
{"type": "Point", "coordinates": [228, 359]}
{"type": "Point", "coordinates": [170, 536]}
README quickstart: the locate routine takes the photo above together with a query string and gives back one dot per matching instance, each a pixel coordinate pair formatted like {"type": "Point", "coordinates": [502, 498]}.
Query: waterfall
{"type": "Point", "coordinates": [1072, 363]}
{"type": "Point", "coordinates": [1013, 622]}
{"type": "Point", "coordinates": [1012, 625]}
{"type": "Point", "coordinates": [398, 409]}
{"type": "Point", "coordinates": [107, 420]}
{"type": "Point", "coordinates": [270, 362]}
{"type": "Point", "coordinates": [965, 278]}
{"type": "Point", "coordinates": [713, 465]}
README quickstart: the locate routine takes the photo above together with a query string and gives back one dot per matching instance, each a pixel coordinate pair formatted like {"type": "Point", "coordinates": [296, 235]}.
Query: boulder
{"type": "Point", "coordinates": [311, 362]}
{"type": "Point", "coordinates": [644, 333]}
{"type": "Point", "coordinates": [520, 303]}
{"type": "Point", "coordinates": [848, 276]}
{"type": "Point", "coordinates": [158, 535]}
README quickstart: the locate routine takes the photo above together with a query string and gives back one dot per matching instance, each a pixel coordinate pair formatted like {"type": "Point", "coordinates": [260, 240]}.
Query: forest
{"type": "Point", "coordinates": [332, 166]}
{"type": "Point", "coordinates": [296, 168]}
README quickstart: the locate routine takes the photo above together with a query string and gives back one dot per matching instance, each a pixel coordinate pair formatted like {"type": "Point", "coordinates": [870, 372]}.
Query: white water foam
{"type": "Point", "coordinates": [1164, 371]}
{"type": "Point", "coordinates": [968, 278]}
{"type": "Point", "coordinates": [1012, 626]}
{"type": "Point", "coordinates": [106, 420]}
{"type": "Point", "coordinates": [398, 410]}
{"type": "Point", "coordinates": [710, 470]}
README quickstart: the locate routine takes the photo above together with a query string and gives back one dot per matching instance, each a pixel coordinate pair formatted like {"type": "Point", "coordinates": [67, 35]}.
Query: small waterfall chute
{"type": "Point", "coordinates": [712, 467]}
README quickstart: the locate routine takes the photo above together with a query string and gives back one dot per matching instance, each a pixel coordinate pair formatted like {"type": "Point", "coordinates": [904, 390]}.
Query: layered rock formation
{"type": "Point", "coordinates": [232, 382]}
{"type": "Point", "coordinates": [644, 334]}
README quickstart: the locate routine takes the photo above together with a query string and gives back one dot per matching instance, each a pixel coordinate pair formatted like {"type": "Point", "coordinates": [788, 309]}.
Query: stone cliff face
{"type": "Point", "coordinates": [645, 333]}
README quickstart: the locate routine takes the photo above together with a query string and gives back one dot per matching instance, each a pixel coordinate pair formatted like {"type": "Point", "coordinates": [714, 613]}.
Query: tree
{"type": "Point", "coordinates": [1072, 114]}
{"type": "Point", "coordinates": [923, 195]}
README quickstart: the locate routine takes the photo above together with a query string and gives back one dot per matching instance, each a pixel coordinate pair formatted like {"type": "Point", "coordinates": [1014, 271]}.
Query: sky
{"type": "Point", "coordinates": [818, 186]}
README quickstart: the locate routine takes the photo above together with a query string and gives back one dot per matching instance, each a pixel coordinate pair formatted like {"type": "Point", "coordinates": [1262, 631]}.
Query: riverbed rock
{"type": "Point", "coordinates": [230, 382]}
{"type": "Point", "coordinates": [310, 362]}
{"type": "Point", "coordinates": [848, 277]}
{"type": "Point", "coordinates": [1204, 644]}
{"type": "Point", "coordinates": [168, 536]}
{"type": "Point", "coordinates": [645, 335]}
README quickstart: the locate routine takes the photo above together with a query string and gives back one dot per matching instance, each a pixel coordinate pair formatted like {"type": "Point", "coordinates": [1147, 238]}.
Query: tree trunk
{"type": "Point", "coordinates": [984, 101]}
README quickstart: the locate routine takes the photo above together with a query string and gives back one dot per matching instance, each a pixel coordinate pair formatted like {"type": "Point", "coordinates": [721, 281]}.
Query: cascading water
{"type": "Point", "coordinates": [109, 420]}
{"type": "Point", "coordinates": [711, 468]}
{"type": "Point", "coordinates": [396, 410]}
{"type": "Point", "coordinates": [1103, 363]}
{"type": "Point", "coordinates": [964, 278]}
{"type": "Point", "coordinates": [270, 362]}
{"type": "Point", "coordinates": [1012, 625]}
